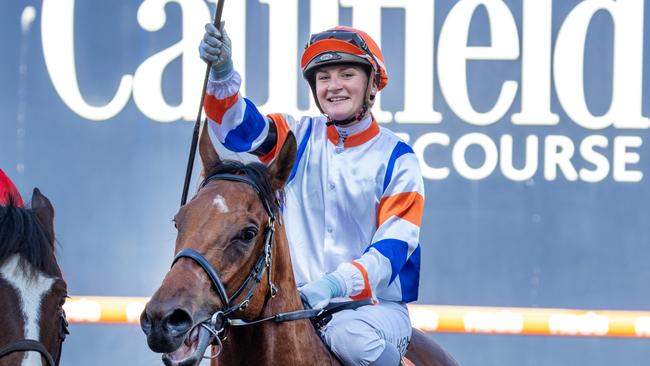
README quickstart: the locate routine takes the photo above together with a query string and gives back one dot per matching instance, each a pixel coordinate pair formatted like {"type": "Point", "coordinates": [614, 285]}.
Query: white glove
{"type": "Point", "coordinates": [216, 48]}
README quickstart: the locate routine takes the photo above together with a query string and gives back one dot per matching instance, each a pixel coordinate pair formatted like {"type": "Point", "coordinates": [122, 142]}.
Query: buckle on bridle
{"type": "Point", "coordinates": [244, 305]}
{"type": "Point", "coordinates": [212, 327]}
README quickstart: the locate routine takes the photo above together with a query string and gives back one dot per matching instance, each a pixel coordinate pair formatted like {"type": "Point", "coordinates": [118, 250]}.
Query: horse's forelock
{"type": "Point", "coordinates": [257, 172]}
{"type": "Point", "coordinates": [22, 234]}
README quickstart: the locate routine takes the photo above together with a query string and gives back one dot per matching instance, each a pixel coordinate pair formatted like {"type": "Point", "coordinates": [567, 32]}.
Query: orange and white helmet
{"type": "Point", "coordinates": [344, 45]}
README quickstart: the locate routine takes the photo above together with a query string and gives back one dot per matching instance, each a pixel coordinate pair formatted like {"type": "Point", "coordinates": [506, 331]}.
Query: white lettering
{"type": "Point", "coordinates": [642, 326]}
{"type": "Point", "coordinates": [57, 36]}
{"type": "Point", "coordinates": [283, 63]}
{"type": "Point", "coordinates": [530, 159]}
{"type": "Point", "coordinates": [536, 65]}
{"type": "Point", "coordinates": [420, 146]}
{"type": "Point", "coordinates": [572, 324]}
{"type": "Point", "coordinates": [625, 110]}
{"type": "Point", "coordinates": [147, 83]}
{"type": "Point", "coordinates": [418, 62]}
{"type": "Point", "coordinates": [503, 321]}
{"type": "Point", "coordinates": [453, 55]}
{"type": "Point", "coordinates": [597, 159]}
{"type": "Point", "coordinates": [622, 157]}
{"type": "Point", "coordinates": [558, 151]}
{"type": "Point", "coordinates": [489, 149]}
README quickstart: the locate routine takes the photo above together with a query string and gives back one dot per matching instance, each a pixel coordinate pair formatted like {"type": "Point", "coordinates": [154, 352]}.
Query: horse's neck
{"type": "Point", "coordinates": [292, 342]}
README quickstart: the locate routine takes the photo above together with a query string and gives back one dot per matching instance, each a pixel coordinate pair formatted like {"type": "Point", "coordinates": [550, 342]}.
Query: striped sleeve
{"type": "Point", "coordinates": [390, 266]}
{"type": "Point", "coordinates": [239, 126]}
{"type": "Point", "coordinates": [235, 120]}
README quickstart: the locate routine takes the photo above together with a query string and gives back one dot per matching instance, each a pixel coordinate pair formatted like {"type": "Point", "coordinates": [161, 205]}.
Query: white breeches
{"type": "Point", "coordinates": [358, 337]}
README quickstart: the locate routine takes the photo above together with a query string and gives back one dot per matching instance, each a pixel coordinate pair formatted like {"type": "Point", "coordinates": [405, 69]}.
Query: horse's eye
{"type": "Point", "coordinates": [248, 234]}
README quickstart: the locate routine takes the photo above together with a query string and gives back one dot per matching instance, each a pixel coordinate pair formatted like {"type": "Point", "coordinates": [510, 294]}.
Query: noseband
{"type": "Point", "coordinates": [24, 345]}
{"type": "Point", "coordinates": [218, 321]}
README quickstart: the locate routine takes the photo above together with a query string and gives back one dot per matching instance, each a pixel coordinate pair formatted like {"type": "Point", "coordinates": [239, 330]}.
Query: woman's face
{"type": "Point", "coordinates": [341, 90]}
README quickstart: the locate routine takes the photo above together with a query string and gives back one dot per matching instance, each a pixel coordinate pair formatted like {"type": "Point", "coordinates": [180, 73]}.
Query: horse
{"type": "Point", "coordinates": [231, 240]}
{"type": "Point", "coordinates": [32, 289]}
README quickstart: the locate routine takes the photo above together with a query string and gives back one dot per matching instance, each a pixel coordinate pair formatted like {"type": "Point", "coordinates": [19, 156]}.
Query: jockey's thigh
{"type": "Point", "coordinates": [358, 337]}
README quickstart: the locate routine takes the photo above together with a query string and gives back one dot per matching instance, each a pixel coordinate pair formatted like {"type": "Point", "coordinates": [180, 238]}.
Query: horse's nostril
{"type": "Point", "coordinates": [145, 322]}
{"type": "Point", "coordinates": [178, 322]}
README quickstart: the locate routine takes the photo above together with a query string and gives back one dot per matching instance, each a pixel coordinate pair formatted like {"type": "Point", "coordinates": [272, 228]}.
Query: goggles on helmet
{"type": "Point", "coordinates": [347, 36]}
{"type": "Point", "coordinates": [342, 35]}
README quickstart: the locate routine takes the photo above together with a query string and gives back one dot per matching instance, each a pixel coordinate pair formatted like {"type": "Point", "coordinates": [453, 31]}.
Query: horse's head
{"type": "Point", "coordinates": [32, 290]}
{"type": "Point", "coordinates": [226, 224]}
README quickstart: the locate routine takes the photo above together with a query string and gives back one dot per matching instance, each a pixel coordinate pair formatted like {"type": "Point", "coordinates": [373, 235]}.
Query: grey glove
{"type": "Point", "coordinates": [216, 48]}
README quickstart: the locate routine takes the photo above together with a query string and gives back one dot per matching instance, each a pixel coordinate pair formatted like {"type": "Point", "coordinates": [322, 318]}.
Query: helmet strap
{"type": "Point", "coordinates": [357, 117]}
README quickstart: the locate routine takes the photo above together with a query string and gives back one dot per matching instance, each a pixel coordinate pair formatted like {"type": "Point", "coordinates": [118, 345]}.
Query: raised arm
{"type": "Point", "coordinates": [237, 123]}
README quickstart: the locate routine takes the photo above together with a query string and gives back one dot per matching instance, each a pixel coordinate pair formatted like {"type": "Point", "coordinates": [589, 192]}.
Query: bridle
{"type": "Point", "coordinates": [23, 345]}
{"type": "Point", "coordinates": [218, 321]}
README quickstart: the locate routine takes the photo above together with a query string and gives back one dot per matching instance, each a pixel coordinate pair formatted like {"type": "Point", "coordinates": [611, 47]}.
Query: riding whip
{"type": "Point", "coordinates": [197, 124]}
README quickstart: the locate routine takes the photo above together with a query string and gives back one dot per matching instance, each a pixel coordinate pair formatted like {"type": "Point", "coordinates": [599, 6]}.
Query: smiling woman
{"type": "Point", "coordinates": [341, 89]}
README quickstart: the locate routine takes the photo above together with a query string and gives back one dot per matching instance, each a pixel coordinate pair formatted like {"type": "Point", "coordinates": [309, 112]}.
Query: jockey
{"type": "Point", "coordinates": [355, 195]}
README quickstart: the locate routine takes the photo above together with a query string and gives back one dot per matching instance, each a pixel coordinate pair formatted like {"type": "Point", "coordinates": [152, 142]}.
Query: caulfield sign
{"type": "Point", "coordinates": [547, 65]}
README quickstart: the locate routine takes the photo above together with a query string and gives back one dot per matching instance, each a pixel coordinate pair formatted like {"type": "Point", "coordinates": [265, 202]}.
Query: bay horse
{"type": "Point", "coordinates": [32, 289]}
{"type": "Point", "coordinates": [231, 240]}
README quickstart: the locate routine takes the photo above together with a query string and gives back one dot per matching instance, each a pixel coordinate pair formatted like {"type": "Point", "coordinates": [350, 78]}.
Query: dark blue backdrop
{"type": "Point", "coordinates": [496, 242]}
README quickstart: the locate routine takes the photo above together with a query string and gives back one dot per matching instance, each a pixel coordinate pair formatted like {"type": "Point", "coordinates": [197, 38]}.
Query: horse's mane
{"type": "Point", "coordinates": [255, 171]}
{"type": "Point", "coordinates": [21, 233]}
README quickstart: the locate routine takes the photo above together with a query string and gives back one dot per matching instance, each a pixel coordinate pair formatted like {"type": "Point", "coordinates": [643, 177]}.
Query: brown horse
{"type": "Point", "coordinates": [232, 241]}
{"type": "Point", "coordinates": [32, 290]}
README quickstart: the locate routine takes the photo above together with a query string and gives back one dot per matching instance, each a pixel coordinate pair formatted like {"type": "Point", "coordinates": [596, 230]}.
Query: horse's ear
{"type": "Point", "coordinates": [208, 153]}
{"type": "Point", "coordinates": [283, 163]}
{"type": "Point", "coordinates": [44, 212]}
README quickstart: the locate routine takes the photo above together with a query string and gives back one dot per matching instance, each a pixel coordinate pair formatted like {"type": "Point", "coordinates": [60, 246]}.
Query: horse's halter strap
{"type": "Point", "coordinates": [28, 345]}
{"type": "Point", "coordinates": [257, 272]}
{"type": "Point", "coordinates": [24, 345]}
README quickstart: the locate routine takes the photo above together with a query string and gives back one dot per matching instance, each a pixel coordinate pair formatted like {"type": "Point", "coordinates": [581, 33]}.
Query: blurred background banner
{"type": "Point", "coordinates": [530, 119]}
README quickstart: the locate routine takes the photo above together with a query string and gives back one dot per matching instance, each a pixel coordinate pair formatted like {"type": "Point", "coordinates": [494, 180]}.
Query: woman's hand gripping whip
{"type": "Point", "coordinates": [197, 125]}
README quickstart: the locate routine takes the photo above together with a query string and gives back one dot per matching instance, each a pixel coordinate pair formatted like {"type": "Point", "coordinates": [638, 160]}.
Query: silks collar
{"type": "Point", "coordinates": [356, 139]}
